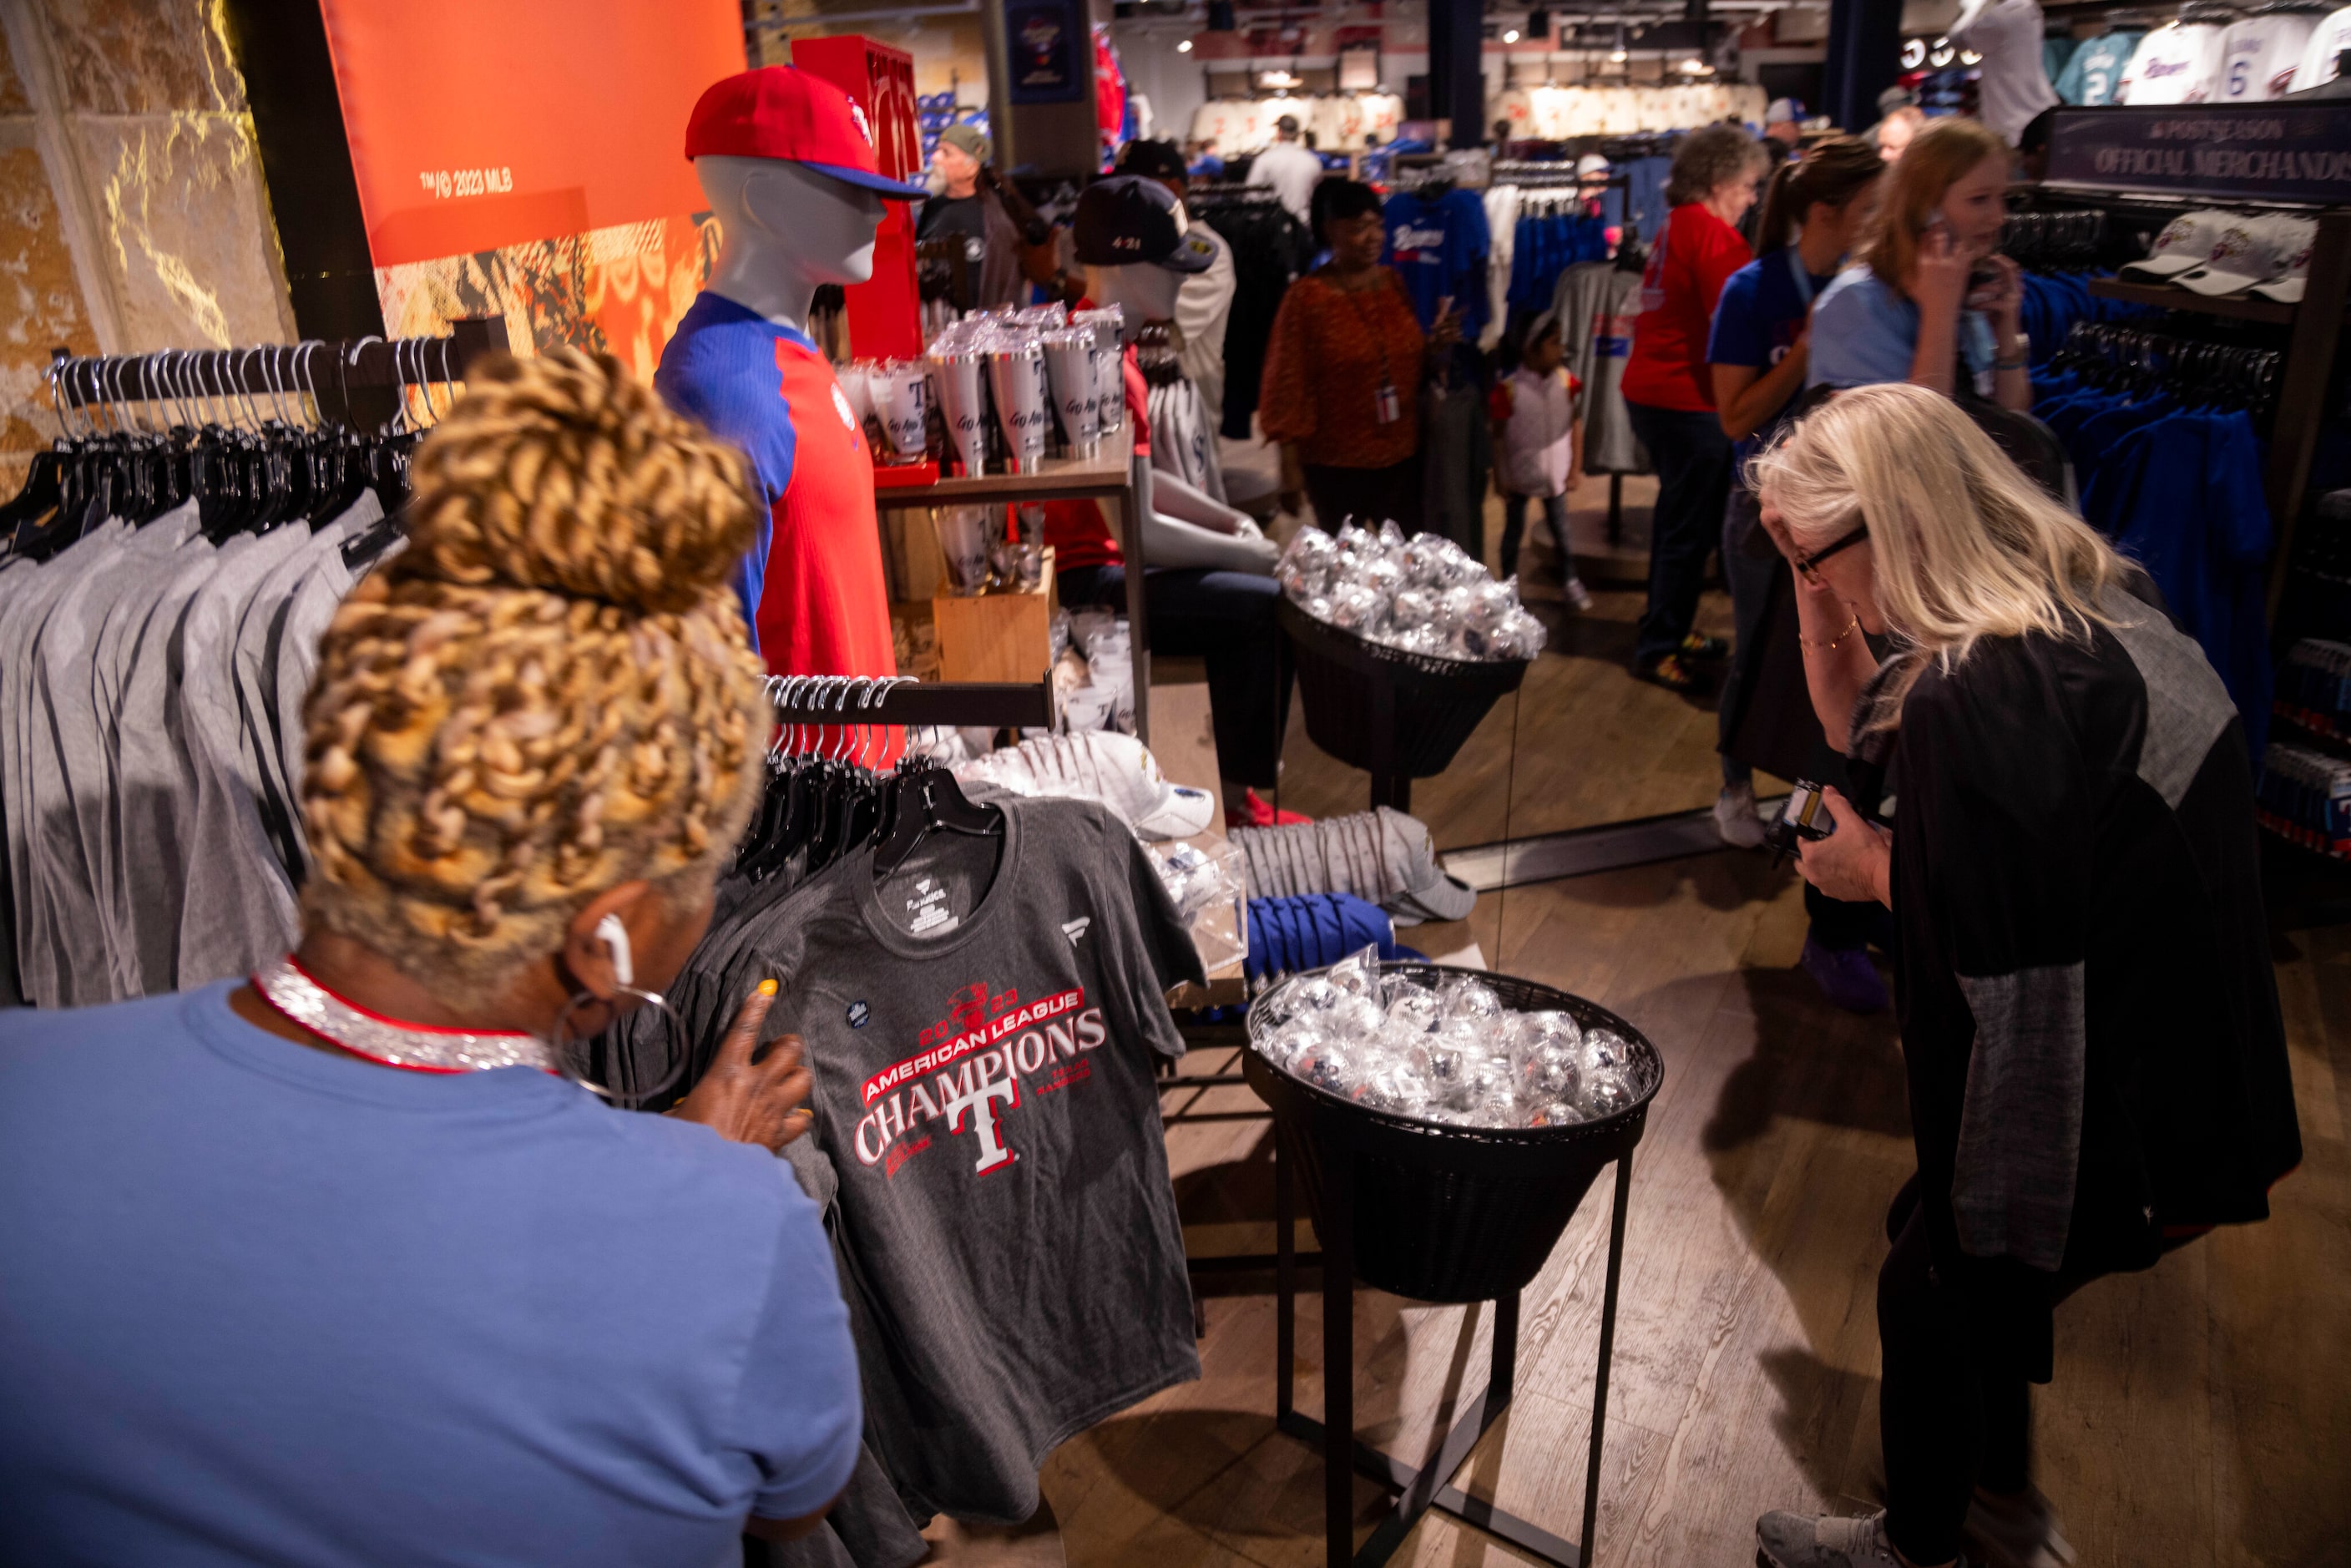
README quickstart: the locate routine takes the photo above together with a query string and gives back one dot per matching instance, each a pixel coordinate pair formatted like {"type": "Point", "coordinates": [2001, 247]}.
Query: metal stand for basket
{"type": "Point", "coordinates": [1426, 1485]}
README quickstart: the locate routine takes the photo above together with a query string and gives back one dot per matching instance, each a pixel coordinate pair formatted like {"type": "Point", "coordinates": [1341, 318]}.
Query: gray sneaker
{"type": "Point", "coordinates": [1736, 819]}
{"type": "Point", "coordinates": [1810, 1541]}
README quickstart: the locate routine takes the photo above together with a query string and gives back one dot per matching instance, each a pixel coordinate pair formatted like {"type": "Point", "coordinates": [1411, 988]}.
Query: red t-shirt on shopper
{"type": "Point", "coordinates": [1695, 256]}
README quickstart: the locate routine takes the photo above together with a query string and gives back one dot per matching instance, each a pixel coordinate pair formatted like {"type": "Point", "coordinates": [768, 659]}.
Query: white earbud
{"type": "Point", "coordinates": [615, 937]}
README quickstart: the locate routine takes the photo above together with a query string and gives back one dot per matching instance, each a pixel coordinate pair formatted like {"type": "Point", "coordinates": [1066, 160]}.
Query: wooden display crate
{"type": "Point", "coordinates": [997, 636]}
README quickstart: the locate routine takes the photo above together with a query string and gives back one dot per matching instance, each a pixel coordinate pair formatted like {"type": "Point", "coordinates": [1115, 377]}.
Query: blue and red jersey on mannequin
{"type": "Point", "coordinates": [812, 586]}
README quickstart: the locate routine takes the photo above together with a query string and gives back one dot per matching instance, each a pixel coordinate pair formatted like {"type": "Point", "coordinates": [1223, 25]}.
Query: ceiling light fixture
{"type": "Point", "coordinates": [1510, 34]}
{"type": "Point", "coordinates": [1183, 46]}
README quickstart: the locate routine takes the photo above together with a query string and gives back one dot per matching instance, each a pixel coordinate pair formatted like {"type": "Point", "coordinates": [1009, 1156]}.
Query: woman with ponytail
{"type": "Point", "coordinates": [342, 1264]}
{"type": "Point", "coordinates": [1813, 213]}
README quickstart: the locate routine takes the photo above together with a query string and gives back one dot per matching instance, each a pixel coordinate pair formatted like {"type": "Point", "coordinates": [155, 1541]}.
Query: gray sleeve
{"type": "Point", "coordinates": [2020, 1126]}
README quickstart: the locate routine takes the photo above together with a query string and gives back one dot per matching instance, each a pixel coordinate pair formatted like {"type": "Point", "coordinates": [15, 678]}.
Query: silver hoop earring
{"type": "Point", "coordinates": [622, 1062]}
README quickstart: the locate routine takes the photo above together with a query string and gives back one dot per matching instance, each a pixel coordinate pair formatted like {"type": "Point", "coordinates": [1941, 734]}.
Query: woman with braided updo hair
{"type": "Point", "coordinates": [342, 1265]}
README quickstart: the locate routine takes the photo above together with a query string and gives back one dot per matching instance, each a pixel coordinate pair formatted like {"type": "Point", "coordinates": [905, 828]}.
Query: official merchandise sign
{"type": "Point", "coordinates": [477, 124]}
{"type": "Point", "coordinates": [2241, 152]}
{"type": "Point", "coordinates": [1049, 49]}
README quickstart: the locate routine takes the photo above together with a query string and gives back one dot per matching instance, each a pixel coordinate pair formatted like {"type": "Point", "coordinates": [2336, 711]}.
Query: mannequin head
{"type": "Point", "coordinates": [788, 229]}
{"type": "Point", "coordinates": [1145, 291]}
{"type": "Point", "coordinates": [788, 166]}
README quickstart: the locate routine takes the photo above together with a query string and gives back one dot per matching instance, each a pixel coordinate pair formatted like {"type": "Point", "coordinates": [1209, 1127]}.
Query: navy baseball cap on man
{"type": "Point", "coordinates": [1129, 221]}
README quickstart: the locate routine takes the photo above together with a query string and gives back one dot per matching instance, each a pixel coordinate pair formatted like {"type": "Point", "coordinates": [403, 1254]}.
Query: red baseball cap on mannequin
{"type": "Point", "coordinates": [781, 111]}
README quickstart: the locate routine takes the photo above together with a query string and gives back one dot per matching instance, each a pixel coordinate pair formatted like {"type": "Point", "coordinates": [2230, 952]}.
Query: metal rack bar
{"type": "Point", "coordinates": [895, 700]}
{"type": "Point", "coordinates": [330, 373]}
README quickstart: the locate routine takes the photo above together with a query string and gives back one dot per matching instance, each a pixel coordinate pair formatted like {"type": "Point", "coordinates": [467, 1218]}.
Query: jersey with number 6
{"type": "Point", "coordinates": [2259, 54]}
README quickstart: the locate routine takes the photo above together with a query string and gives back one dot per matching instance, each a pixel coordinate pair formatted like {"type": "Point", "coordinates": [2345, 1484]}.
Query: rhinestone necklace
{"type": "Point", "coordinates": [419, 1048]}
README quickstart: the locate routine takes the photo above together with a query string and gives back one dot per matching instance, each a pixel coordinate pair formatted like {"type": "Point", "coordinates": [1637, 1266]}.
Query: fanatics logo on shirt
{"type": "Point", "coordinates": [971, 1070]}
{"type": "Point", "coordinates": [1074, 929]}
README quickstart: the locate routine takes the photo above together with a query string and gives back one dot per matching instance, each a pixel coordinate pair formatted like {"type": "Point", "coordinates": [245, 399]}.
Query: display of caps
{"type": "Point", "coordinates": [2185, 241]}
{"type": "Point", "coordinates": [2248, 250]}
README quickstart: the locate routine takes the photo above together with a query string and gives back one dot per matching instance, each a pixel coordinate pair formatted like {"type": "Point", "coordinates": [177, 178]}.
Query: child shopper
{"type": "Point", "coordinates": [1539, 447]}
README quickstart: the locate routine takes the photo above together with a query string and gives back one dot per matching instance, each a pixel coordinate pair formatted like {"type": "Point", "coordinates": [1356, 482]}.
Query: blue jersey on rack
{"type": "Point", "coordinates": [1438, 248]}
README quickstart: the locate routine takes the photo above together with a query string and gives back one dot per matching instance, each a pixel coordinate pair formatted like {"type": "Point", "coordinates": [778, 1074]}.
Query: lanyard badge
{"type": "Point", "coordinates": [1387, 404]}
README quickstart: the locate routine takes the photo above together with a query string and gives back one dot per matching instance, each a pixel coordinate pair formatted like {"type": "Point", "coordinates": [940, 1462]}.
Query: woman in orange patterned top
{"type": "Point", "coordinates": [1343, 372]}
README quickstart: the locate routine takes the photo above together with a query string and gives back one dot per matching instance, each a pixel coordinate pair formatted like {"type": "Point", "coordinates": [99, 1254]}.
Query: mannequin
{"type": "Point", "coordinates": [786, 230]}
{"type": "Point", "coordinates": [1185, 528]}
{"type": "Point", "coordinates": [789, 167]}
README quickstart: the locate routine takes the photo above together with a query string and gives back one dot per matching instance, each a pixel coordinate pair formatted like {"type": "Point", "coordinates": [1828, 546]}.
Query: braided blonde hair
{"type": "Point", "coordinates": [550, 692]}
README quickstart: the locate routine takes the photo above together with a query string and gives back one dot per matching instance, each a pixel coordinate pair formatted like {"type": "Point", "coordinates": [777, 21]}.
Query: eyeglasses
{"type": "Point", "coordinates": [1805, 563]}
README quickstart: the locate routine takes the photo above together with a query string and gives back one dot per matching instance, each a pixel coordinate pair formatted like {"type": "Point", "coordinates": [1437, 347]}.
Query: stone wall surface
{"type": "Point", "coordinates": [133, 214]}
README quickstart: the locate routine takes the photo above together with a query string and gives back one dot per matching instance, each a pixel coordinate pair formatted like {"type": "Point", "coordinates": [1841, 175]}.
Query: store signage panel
{"type": "Point", "coordinates": [1051, 52]}
{"type": "Point", "coordinates": [475, 124]}
{"type": "Point", "coordinates": [2237, 153]}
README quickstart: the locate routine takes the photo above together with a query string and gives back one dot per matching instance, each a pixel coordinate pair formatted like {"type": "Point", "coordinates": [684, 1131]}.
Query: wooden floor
{"type": "Point", "coordinates": [2201, 1412]}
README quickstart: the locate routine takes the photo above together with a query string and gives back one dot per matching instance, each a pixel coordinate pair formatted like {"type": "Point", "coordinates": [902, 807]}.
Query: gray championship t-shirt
{"type": "Point", "coordinates": [981, 1027]}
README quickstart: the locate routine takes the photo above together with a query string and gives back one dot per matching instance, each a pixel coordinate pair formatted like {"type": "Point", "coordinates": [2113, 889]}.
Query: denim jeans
{"type": "Point", "coordinates": [1227, 618]}
{"type": "Point", "coordinates": [1514, 527]}
{"type": "Point", "coordinates": [1692, 456]}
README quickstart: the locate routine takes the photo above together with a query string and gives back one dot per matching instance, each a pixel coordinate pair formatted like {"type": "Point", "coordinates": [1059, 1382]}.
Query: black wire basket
{"type": "Point", "coordinates": [1447, 1213]}
{"type": "Point", "coordinates": [1385, 710]}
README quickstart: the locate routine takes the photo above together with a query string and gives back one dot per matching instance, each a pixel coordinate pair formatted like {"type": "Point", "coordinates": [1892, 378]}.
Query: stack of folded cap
{"type": "Point", "coordinates": [1117, 770]}
{"type": "Point", "coordinates": [1384, 856]}
{"type": "Point", "coordinates": [1311, 931]}
{"type": "Point", "coordinates": [2215, 252]}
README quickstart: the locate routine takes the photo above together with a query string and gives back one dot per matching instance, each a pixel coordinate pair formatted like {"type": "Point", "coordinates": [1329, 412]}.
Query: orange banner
{"type": "Point", "coordinates": [475, 125]}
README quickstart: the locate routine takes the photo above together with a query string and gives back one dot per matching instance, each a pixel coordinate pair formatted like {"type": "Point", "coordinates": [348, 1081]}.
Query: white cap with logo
{"type": "Point", "coordinates": [2251, 250]}
{"type": "Point", "coordinates": [2185, 241]}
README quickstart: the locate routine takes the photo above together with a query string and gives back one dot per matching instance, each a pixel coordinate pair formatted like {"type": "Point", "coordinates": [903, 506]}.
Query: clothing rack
{"type": "Point", "coordinates": [855, 700]}
{"type": "Point", "coordinates": [358, 384]}
{"type": "Point", "coordinates": [2311, 328]}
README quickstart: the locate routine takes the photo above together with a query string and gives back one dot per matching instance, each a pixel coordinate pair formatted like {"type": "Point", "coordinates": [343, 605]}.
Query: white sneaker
{"type": "Point", "coordinates": [1736, 819]}
{"type": "Point", "coordinates": [1805, 1541]}
{"type": "Point", "coordinates": [1577, 594]}
{"type": "Point", "coordinates": [2018, 1531]}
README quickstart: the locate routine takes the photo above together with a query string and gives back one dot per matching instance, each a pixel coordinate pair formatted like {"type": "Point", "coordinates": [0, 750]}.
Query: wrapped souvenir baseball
{"type": "Point", "coordinates": [1448, 1052]}
{"type": "Point", "coordinates": [1423, 595]}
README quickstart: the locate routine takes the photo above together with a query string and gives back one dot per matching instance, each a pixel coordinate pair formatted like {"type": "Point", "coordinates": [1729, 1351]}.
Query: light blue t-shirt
{"type": "Point", "coordinates": [261, 1303]}
{"type": "Point", "coordinates": [1866, 331]}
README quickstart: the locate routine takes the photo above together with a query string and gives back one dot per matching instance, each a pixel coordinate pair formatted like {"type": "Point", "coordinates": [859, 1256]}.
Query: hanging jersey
{"type": "Point", "coordinates": [1438, 248]}
{"type": "Point", "coordinates": [2174, 64]}
{"type": "Point", "coordinates": [2259, 54]}
{"type": "Point", "coordinates": [2093, 73]}
{"type": "Point", "coordinates": [2327, 42]}
{"type": "Point", "coordinates": [812, 586]}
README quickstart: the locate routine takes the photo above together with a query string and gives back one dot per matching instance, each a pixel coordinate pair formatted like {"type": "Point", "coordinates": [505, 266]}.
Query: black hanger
{"type": "Point", "coordinates": [926, 799]}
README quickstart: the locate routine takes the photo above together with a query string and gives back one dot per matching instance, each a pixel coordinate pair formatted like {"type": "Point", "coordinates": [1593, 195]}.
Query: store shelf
{"type": "Point", "coordinates": [1059, 478]}
{"type": "Point", "coordinates": [2171, 297]}
{"type": "Point", "coordinates": [2310, 730]}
